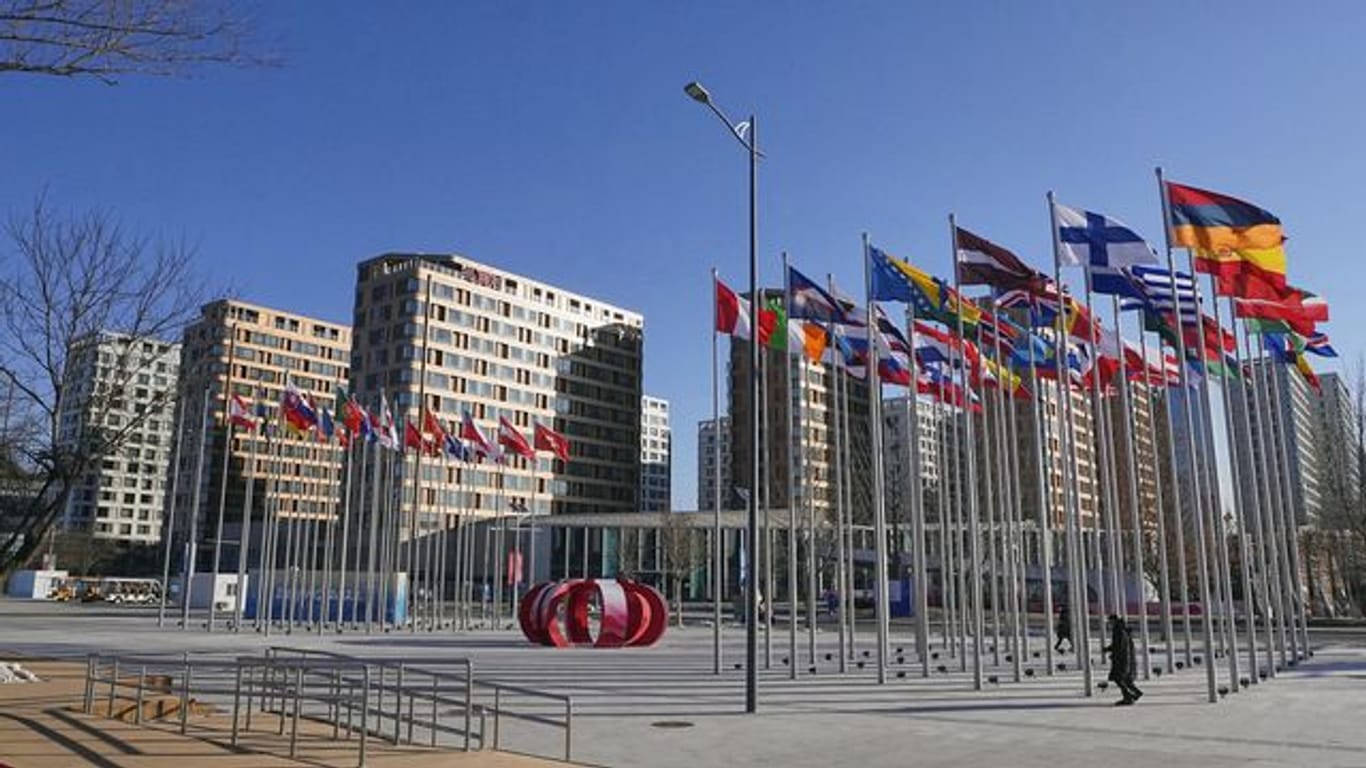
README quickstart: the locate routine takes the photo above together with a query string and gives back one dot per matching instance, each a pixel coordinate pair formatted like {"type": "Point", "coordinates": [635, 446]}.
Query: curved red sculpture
{"type": "Point", "coordinates": [629, 613]}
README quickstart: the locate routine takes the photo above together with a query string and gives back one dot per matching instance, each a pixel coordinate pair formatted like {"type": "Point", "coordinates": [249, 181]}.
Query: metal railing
{"type": "Point", "coordinates": [360, 697]}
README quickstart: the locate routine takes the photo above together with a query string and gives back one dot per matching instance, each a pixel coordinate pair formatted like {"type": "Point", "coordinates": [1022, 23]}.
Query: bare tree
{"type": "Point", "coordinates": [678, 556]}
{"type": "Point", "coordinates": [106, 39]}
{"type": "Point", "coordinates": [66, 280]}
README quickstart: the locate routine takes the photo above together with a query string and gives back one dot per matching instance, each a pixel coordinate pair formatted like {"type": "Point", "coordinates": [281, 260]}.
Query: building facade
{"type": "Point", "coordinates": [1300, 415]}
{"type": "Point", "coordinates": [713, 441]}
{"type": "Point", "coordinates": [656, 455]}
{"type": "Point", "coordinates": [255, 352]}
{"type": "Point", "coordinates": [119, 384]}
{"type": "Point", "coordinates": [453, 336]}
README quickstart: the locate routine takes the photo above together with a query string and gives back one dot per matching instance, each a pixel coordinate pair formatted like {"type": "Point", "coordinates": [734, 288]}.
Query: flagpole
{"type": "Point", "coordinates": [372, 551]}
{"type": "Point", "coordinates": [941, 462]}
{"type": "Point", "coordinates": [244, 535]}
{"type": "Point", "coordinates": [1080, 586]}
{"type": "Point", "coordinates": [1042, 441]}
{"type": "Point", "coordinates": [991, 500]}
{"type": "Point", "coordinates": [265, 602]}
{"type": "Point", "coordinates": [1275, 516]}
{"type": "Point", "coordinates": [1005, 441]}
{"type": "Point", "coordinates": [843, 588]}
{"type": "Point", "coordinates": [850, 562]}
{"type": "Point", "coordinates": [187, 580]}
{"type": "Point", "coordinates": [169, 544]}
{"type": "Point", "coordinates": [879, 494]}
{"type": "Point", "coordinates": [794, 447]}
{"type": "Point", "coordinates": [1128, 425]}
{"type": "Point", "coordinates": [1202, 572]}
{"type": "Point", "coordinates": [1219, 557]}
{"type": "Point", "coordinates": [1236, 450]}
{"type": "Point", "coordinates": [349, 455]}
{"type": "Point", "coordinates": [1289, 526]}
{"type": "Point", "coordinates": [1254, 449]}
{"type": "Point", "coordinates": [808, 499]}
{"type": "Point", "coordinates": [717, 554]}
{"type": "Point", "coordinates": [1235, 680]}
{"type": "Point", "coordinates": [969, 448]}
{"type": "Point", "coordinates": [1164, 574]}
{"type": "Point", "coordinates": [223, 485]}
{"type": "Point", "coordinates": [917, 502]}
{"type": "Point", "coordinates": [961, 599]}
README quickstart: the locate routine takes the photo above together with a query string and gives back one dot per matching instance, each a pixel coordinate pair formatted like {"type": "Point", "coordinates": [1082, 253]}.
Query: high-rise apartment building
{"type": "Point", "coordinates": [656, 455]}
{"type": "Point", "coordinates": [258, 351]}
{"type": "Point", "coordinates": [1339, 439]}
{"type": "Point", "coordinates": [456, 336]}
{"type": "Point", "coordinates": [1301, 443]}
{"type": "Point", "coordinates": [713, 438]}
{"type": "Point", "coordinates": [120, 384]}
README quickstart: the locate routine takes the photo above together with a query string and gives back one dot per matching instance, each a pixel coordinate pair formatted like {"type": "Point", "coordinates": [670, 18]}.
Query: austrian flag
{"type": "Point", "coordinates": [510, 438]}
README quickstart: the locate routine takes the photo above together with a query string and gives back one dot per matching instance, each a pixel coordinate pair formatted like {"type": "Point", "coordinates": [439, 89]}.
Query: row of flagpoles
{"type": "Point", "coordinates": [977, 360]}
{"type": "Point", "coordinates": [306, 583]}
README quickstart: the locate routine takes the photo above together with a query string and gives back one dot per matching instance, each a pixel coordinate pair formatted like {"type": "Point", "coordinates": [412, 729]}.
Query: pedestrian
{"type": "Point", "coordinates": [1063, 629]}
{"type": "Point", "coordinates": [832, 602]}
{"type": "Point", "coordinates": [1121, 650]}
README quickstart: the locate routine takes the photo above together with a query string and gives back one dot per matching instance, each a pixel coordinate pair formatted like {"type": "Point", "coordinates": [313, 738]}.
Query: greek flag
{"type": "Point", "coordinates": [1161, 291]}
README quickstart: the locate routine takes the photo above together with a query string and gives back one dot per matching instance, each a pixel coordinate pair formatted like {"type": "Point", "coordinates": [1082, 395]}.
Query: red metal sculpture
{"type": "Point", "coordinates": [629, 613]}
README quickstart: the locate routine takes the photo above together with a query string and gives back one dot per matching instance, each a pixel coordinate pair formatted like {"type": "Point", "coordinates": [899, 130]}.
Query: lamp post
{"type": "Point", "coordinates": [747, 134]}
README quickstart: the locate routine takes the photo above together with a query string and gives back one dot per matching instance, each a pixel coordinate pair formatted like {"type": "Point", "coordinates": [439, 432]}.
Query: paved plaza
{"type": "Point", "coordinates": [662, 706]}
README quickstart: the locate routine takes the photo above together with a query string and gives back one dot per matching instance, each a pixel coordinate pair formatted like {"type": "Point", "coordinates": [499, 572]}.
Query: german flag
{"type": "Point", "coordinates": [1228, 235]}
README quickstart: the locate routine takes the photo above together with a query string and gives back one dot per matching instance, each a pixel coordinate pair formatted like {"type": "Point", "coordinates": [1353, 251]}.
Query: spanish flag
{"type": "Point", "coordinates": [1228, 235]}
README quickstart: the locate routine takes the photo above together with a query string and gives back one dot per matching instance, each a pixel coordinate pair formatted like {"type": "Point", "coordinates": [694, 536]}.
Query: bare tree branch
{"type": "Point", "coordinates": [104, 39]}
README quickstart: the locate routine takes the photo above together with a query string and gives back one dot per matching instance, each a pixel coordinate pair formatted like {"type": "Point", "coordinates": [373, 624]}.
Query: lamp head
{"type": "Point", "coordinates": [697, 92]}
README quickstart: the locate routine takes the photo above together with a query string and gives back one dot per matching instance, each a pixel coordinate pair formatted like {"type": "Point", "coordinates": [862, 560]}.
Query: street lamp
{"type": "Point", "coordinates": [748, 136]}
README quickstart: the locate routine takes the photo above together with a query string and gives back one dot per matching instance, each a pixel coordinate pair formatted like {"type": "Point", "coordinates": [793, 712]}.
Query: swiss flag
{"type": "Point", "coordinates": [510, 438]}
{"type": "Point", "coordinates": [548, 439]}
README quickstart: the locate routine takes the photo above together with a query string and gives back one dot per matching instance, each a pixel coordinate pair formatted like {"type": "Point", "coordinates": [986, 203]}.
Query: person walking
{"type": "Point", "coordinates": [1121, 650]}
{"type": "Point", "coordinates": [1063, 629]}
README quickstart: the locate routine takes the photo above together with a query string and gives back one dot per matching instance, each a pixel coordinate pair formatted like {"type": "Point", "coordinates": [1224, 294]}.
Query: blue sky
{"type": "Point", "coordinates": [554, 139]}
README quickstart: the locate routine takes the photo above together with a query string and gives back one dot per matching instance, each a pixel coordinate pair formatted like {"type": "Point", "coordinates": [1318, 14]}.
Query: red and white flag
{"type": "Point", "coordinates": [732, 312]}
{"type": "Point", "coordinates": [511, 439]}
{"type": "Point", "coordinates": [239, 414]}
{"type": "Point", "coordinates": [548, 439]}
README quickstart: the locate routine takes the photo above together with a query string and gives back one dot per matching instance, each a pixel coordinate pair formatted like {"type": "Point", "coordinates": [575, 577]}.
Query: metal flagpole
{"type": "Point", "coordinates": [265, 600]}
{"type": "Point", "coordinates": [1164, 574]}
{"type": "Point", "coordinates": [843, 588]}
{"type": "Point", "coordinates": [1289, 525]}
{"type": "Point", "coordinates": [1179, 518]}
{"type": "Point", "coordinates": [372, 550]}
{"type": "Point", "coordinates": [1265, 555]}
{"type": "Point", "coordinates": [794, 443]}
{"type": "Point", "coordinates": [1202, 572]}
{"type": "Point", "coordinates": [993, 503]}
{"type": "Point", "coordinates": [1105, 501]}
{"type": "Point", "coordinates": [851, 623]}
{"type": "Point", "coordinates": [880, 585]}
{"type": "Point", "coordinates": [223, 483]}
{"type": "Point", "coordinates": [970, 451]}
{"type": "Point", "coordinates": [1210, 478]}
{"type": "Point", "coordinates": [961, 600]}
{"type": "Point", "coordinates": [349, 455]}
{"type": "Point", "coordinates": [169, 543]}
{"type": "Point", "coordinates": [1135, 502]}
{"type": "Point", "coordinates": [244, 536]}
{"type": "Point", "coordinates": [1237, 451]}
{"type": "Point", "coordinates": [329, 541]}
{"type": "Point", "coordinates": [1245, 575]}
{"type": "Point", "coordinates": [941, 463]}
{"type": "Point", "coordinates": [917, 503]}
{"type": "Point", "coordinates": [809, 500]}
{"type": "Point", "coordinates": [766, 503]}
{"type": "Point", "coordinates": [1005, 441]}
{"type": "Point", "coordinates": [718, 557]}
{"type": "Point", "coordinates": [1042, 442]}
{"type": "Point", "coordinates": [187, 580]}
{"type": "Point", "coordinates": [1280, 567]}
{"type": "Point", "coordinates": [1079, 587]}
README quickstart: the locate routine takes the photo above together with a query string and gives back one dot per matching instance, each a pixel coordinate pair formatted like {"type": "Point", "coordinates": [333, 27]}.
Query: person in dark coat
{"type": "Point", "coordinates": [1122, 661]}
{"type": "Point", "coordinates": [1063, 629]}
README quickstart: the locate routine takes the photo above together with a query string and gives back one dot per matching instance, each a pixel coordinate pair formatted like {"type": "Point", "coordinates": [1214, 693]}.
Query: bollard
{"type": "Point", "coordinates": [142, 679]}
{"type": "Point", "coordinates": [113, 680]}
{"type": "Point", "coordinates": [364, 711]}
{"type": "Point", "coordinates": [398, 704]}
{"type": "Point", "coordinates": [294, 730]}
{"type": "Point", "coordinates": [236, 702]}
{"type": "Point", "coordinates": [568, 727]}
{"type": "Point", "coordinates": [185, 700]}
{"type": "Point", "coordinates": [89, 683]}
{"type": "Point", "coordinates": [434, 715]}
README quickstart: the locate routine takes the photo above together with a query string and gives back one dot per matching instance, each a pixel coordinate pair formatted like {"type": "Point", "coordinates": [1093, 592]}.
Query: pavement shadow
{"type": "Point", "coordinates": [91, 756]}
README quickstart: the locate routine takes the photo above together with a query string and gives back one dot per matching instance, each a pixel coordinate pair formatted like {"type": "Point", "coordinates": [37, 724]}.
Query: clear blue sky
{"type": "Point", "coordinates": [554, 139]}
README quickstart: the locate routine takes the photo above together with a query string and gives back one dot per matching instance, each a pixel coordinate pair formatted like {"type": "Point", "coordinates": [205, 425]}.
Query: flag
{"type": "Point", "coordinates": [1251, 282]}
{"type": "Point", "coordinates": [325, 426]}
{"type": "Point", "coordinates": [982, 262]}
{"type": "Point", "coordinates": [809, 301]}
{"type": "Point", "coordinates": [299, 413]}
{"type": "Point", "coordinates": [369, 426]}
{"type": "Point", "coordinates": [510, 438]}
{"type": "Point", "coordinates": [1289, 311]}
{"type": "Point", "coordinates": [388, 432]}
{"type": "Point", "coordinates": [1284, 349]}
{"type": "Point", "coordinates": [1227, 234]}
{"type": "Point", "coordinates": [455, 448]}
{"type": "Point", "coordinates": [732, 312]}
{"type": "Point", "coordinates": [411, 437]}
{"type": "Point", "coordinates": [239, 414]}
{"type": "Point", "coordinates": [1317, 344]}
{"type": "Point", "coordinates": [475, 439]}
{"type": "Point", "coordinates": [930, 297]}
{"type": "Point", "coordinates": [548, 439]}
{"type": "Point", "coordinates": [432, 426]}
{"type": "Point", "coordinates": [815, 339]}
{"type": "Point", "coordinates": [1162, 290]}
{"type": "Point", "coordinates": [780, 334]}
{"type": "Point", "coordinates": [353, 415]}
{"type": "Point", "coordinates": [1104, 246]}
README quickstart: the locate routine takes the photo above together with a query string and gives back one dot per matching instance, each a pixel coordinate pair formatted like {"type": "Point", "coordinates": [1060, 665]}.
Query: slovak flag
{"type": "Point", "coordinates": [475, 438]}
{"type": "Point", "coordinates": [548, 439]}
{"type": "Point", "coordinates": [510, 438]}
{"type": "Point", "coordinates": [239, 414]}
